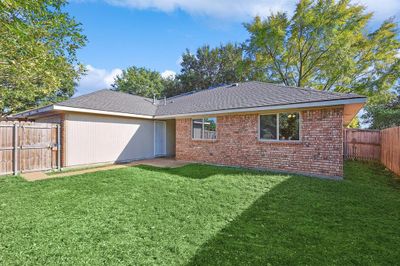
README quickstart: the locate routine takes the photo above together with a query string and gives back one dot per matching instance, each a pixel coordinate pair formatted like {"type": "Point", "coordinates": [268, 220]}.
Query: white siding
{"type": "Point", "coordinates": [49, 119]}
{"type": "Point", "coordinates": [97, 139]}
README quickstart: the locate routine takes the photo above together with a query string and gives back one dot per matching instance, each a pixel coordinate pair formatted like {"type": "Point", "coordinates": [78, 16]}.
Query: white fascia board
{"type": "Point", "coordinates": [33, 112]}
{"type": "Point", "coordinates": [270, 108]}
{"type": "Point", "coordinates": [92, 111]}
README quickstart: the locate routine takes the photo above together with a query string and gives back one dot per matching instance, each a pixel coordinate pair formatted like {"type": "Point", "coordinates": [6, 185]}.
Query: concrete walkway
{"type": "Point", "coordinates": [159, 162]}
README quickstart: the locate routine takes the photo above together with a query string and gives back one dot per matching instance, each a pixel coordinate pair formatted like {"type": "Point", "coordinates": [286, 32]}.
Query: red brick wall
{"type": "Point", "coordinates": [319, 151]}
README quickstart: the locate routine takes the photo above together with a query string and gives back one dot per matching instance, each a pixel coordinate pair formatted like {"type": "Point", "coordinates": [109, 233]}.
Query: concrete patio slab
{"type": "Point", "coordinates": [158, 162]}
{"type": "Point", "coordinates": [33, 176]}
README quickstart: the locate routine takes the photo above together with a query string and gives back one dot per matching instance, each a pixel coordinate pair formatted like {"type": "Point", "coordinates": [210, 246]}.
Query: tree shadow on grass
{"type": "Point", "coordinates": [201, 171]}
{"type": "Point", "coordinates": [309, 221]}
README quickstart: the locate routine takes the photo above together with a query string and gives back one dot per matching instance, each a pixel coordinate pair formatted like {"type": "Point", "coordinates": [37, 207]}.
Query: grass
{"type": "Point", "coordinates": [201, 215]}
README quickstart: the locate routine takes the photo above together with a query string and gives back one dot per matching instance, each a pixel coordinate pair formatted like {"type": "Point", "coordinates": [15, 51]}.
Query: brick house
{"type": "Point", "coordinates": [250, 124]}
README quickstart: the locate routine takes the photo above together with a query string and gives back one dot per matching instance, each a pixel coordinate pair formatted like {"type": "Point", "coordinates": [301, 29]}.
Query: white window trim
{"type": "Point", "coordinates": [202, 128]}
{"type": "Point", "coordinates": [277, 129]}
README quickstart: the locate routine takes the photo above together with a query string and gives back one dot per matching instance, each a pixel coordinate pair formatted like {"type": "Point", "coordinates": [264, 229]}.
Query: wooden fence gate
{"type": "Point", "coordinates": [362, 144]}
{"type": "Point", "coordinates": [28, 146]}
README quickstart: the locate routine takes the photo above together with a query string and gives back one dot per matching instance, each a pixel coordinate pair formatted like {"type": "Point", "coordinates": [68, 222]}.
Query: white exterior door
{"type": "Point", "coordinates": [160, 144]}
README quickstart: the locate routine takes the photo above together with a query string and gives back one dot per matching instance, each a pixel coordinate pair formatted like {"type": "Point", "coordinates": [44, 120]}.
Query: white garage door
{"type": "Point", "coordinates": [97, 139]}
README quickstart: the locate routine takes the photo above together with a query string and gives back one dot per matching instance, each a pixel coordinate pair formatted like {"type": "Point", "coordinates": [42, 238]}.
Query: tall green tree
{"type": "Point", "coordinates": [211, 67]}
{"type": "Point", "coordinates": [172, 87]}
{"type": "Point", "coordinates": [327, 45]}
{"type": "Point", "coordinates": [140, 81]}
{"type": "Point", "coordinates": [383, 115]}
{"type": "Point", "coordinates": [38, 45]}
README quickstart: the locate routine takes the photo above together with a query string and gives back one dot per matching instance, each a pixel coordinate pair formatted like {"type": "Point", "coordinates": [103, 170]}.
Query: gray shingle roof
{"type": "Point", "coordinates": [243, 95]}
{"type": "Point", "coordinates": [112, 101]}
{"type": "Point", "coordinates": [246, 95]}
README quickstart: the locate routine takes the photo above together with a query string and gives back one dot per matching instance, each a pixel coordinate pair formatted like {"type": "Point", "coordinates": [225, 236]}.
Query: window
{"type": "Point", "coordinates": [289, 126]}
{"type": "Point", "coordinates": [204, 128]}
{"type": "Point", "coordinates": [268, 127]}
{"type": "Point", "coordinates": [283, 126]}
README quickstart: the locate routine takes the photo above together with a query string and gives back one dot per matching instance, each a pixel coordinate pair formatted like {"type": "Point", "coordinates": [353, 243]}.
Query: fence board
{"type": "Point", "coordinates": [362, 144]}
{"type": "Point", "coordinates": [6, 147]}
{"type": "Point", "coordinates": [390, 149]}
{"type": "Point", "coordinates": [35, 146]}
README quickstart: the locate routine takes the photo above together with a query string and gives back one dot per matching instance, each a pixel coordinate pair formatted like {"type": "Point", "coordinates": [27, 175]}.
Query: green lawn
{"type": "Point", "coordinates": [201, 214]}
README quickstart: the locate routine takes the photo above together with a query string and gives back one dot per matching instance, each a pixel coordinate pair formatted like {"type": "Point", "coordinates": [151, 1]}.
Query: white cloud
{"type": "Point", "coordinates": [96, 79]}
{"type": "Point", "coordinates": [168, 74]}
{"type": "Point", "coordinates": [234, 9]}
{"type": "Point", "coordinates": [382, 9]}
{"type": "Point", "coordinates": [244, 9]}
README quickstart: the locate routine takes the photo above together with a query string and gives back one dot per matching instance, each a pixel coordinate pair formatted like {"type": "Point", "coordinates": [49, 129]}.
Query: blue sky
{"type": "Point", "coordinates": [154, 33]}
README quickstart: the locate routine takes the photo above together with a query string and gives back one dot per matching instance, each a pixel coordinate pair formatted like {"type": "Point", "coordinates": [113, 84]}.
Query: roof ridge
{"type": "Point", "coordinates": [130, 94]}
{"type": "Point", "coordinates": [203, 90]}
{"type": "Point", "coordinates": [80, 96]}
{"type": "Point", "coordinates": [308, 89]}
{"type": "Point", "coordinates": [287, 86]}
{"type": "Point", "coordinates": [244, 82]}
{"type": "Point", "coordinates": [103, 90]}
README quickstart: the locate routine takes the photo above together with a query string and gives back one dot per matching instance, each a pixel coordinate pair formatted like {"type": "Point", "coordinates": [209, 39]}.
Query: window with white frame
{"type": "Point", "coordinates": [282, 126]}
{"type": "Point", "coordinates": [204, 128]}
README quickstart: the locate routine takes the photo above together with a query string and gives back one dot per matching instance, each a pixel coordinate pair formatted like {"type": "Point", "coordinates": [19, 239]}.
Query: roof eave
{"type": "Point", "coordinates": [55, 107]}
{"type": "Point", "coordinates": [100, 112]}
{"type": "Point", "coordinates": [33, 112]}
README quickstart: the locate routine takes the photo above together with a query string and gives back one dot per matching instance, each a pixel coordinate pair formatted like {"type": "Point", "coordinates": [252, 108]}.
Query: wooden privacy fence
{"type": "Point", "coordinates": [377, 145]}
{"type": "Point", "coordinates": [28, 146]}
{"type": "Point", "coordinates": [390, 152]}
{"type": "Point", "coordinates": [362, 144]}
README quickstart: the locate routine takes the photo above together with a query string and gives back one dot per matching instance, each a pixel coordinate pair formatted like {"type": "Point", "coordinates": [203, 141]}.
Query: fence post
{"type": "Point", "coordinates": [15, 149]}
{"type": "Point", "coordinates": [345, 143]}
{"type": "Point", "coordinates": [58, 147]}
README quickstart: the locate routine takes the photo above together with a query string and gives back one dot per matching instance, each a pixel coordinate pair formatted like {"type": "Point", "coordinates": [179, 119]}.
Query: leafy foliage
{"type": "Point", "coordinates": [140, 81]}
{"type": "Point", "coordinates": [355, 123]}
{"type": "Point", "coordinates": [212, 67]}
{"type": "Point", "coordinates": [172, 87]}
{"type": "Point", "coordinates": [205, 69]}
{"type": "Point", "coordinates": [326, 45]}
{"type": "Point", "coordinates": [38, 45]}
{"type": "Point", "coordinates": [381, 116]}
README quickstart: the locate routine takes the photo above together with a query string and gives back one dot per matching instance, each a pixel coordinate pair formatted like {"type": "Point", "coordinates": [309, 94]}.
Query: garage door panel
{"type": "Point", "coordinates": [96, 139]}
